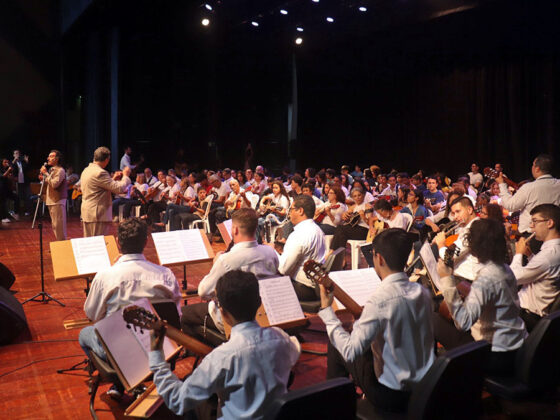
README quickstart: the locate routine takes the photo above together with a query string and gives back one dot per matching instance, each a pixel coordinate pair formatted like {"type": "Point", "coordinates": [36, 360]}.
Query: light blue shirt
{"type": "Point", "coordinates": [396, 323]}
{"type": "Point", "coordinates": [247, 372]}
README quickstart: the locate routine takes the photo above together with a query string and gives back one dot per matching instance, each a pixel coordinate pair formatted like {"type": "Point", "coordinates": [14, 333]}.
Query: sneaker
{"type": "Point", "coordinates": [6, 220]}
{"type": "Point", "coordinates": [116, 392]}
{"type": "Point", "coordinates": [15, 216]}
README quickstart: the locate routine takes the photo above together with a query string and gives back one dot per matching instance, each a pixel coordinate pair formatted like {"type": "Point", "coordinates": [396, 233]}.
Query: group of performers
{"type": "Point", "coordinates": [512, 280]}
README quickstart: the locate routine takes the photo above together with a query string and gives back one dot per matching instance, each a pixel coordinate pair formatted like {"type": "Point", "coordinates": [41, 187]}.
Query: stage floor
{"type": "Point", "coordinates": [29, 384]}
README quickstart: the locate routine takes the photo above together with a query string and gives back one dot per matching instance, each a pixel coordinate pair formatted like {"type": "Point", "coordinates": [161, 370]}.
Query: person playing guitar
{"type": "Point", "coordinates": [331, 214]}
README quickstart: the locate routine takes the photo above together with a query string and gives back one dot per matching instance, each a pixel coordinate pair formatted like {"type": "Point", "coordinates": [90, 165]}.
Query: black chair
{"type": "Point", "coordinates": [451, 389]}
{"type": "Point", "coordinates": [332, 399]}
{"type": "Point", "coordinates": [537, 367]}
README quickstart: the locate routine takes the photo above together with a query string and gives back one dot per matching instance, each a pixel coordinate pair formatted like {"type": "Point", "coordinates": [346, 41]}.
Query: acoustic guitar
{"type": "Point", "coordinates": [144, 319]}
{"type": "Point", "coordinates": [464, 287]}
{"type": "Point", "coordinates": [355, 217]}
{"type": "Point", "coordinates": [315, 272]}
{"type": "Point", "coordinates": [378, 227]}
{"type": "Point", "coordinates": [321, 216]}
{"type": "Point", "coordinates": [492, 174]}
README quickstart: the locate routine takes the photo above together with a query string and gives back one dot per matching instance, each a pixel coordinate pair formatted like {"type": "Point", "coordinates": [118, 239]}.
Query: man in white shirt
{"type": "Point", "coordinates": [540, 278]}
{"type": "Point", "coordinates": [221, 190]}
{"type": "Point", "coordinates": [543, 190]}
{"type": "Point", "coordinates": [126, 160]}
{"type": "Point", "coordinates": [150, 178]}
{"type": "Point", "coordinates": [131, 278]}
{"type": "Point", "coordinates": [475, 177]}
{"type": "Point", "coordinates": [306, 242]}
{"type": "Point", "coordinates": [308, 189]}
{"type": "Point", "coordinates": [246, 254]}
{"type": "Point", "coordinates": [392, 189]}
{"type": "Point", "coordinates": [248, 372]}
{"type": "Point", "coordinates": [395, 324]}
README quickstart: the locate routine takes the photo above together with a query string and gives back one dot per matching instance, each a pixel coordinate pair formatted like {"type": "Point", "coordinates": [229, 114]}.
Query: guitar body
{"type": "Point", "coordinates": [75, 194]}
{"type": "Point", "coordinates": [491, 173]}
{"type": "Point", "coordinates": [464, 288]}
{"type": "Point", "coordinates": [319, 219]}
{"type": "Point", "coordinates": [378, 226]}
{"type": "Point", "coordinates": [450, 240]}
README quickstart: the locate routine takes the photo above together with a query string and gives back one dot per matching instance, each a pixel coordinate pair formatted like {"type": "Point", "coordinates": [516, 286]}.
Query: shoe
{"type": "Point", "coordinates": [116, 392]}
{"type": "Point", "coordinates": [15, 216]}
{"type": "Point", "coordinates": [6, 220]}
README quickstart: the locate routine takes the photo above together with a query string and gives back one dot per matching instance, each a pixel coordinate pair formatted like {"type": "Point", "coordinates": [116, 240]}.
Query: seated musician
{"type": "Point", "coordinates": [309, 189]}
{"type": "Point", "coordinates": [260, 183]}
{"type": "Point", "coordinates": [221, 191]}
{"type": "Point", "coordinates": [369, 197]}
{"type": "Point", "coordinates": [182, 201]}
{"type": "Point", "coordinates": [131, 278]}
{"type": "Point", "coordinates": [196, 210]}
{"type": "Point", "coordinates": [540, 278]}
{"type": "Point", "coordinates": [121, 199]}
{"type": "Point", "coordinates": [387, 214]}
{"type": "Point", "coordinates": [433, 197]}
{"type": "Point", "coordinates": [331, 214]}
{"type": "Point", "coordinates": [446, 215]}
{"type": "Point", "coordinates": [235, 201]}
{"type": "Point", "coordinates": [355, 224]}
{"type": "Point", "coordinates": [156, 197]}
{"type": "Point", "coordinates": [491, 309]}
{"type": "Point", "coordinates": [402, 198]}
{"type": "Point", "coordinates": [247, 372]}
{"type": "Point", "coordinates": [382, 183]}
{"type": "Point", "coordinates": [392, 188]}
{"type": "Point", "coordinates": [139, 189]}
{"type": "Point", "coordinates": [296, 184]}
{"type": "Point", "coordinates": [465, 264]}
{"type": "Point", "coordinates": [245, 254]}
{"type": "Point", "coordinates": [307, 241]}
{"type": "Point", "coordinates": [419, 213]}
{"type": "Point", "coordinates": [395, 324]}
{"type": "Point", "coordinates": [167, 197]}
{"type": "Point", "coordinates": [273, 207]}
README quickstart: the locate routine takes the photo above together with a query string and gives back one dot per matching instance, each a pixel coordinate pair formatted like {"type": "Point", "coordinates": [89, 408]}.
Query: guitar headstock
{"type": "Point", "coordinates": [315, 272]}
{"type": "Point", "coordinates": [450, 253]}
{"type": "Point", "coordinates": [140, 317]}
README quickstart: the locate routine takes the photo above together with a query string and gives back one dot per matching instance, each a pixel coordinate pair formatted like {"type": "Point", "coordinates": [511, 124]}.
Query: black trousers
{"type": "Point", "coordinates": [304, 292]}
{"type": "Point", "coordinates": [327, 229]}
{"type": "Point", "coordinates": [194, 316]}
{"type": "Point", "coordinates": [154, 209]}
{"type": "Point", "coordinates": [363, 375]}
{"type": "Point", "coordinates": [343, 233]}
{"type": "Point", "coordinates": [497, 363]}
{"type": "Point", "coordinates": [529, 318]}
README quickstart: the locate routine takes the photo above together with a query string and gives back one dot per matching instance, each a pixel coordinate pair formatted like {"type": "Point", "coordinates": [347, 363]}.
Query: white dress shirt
{"type": "Point", "coordinates": [396, 323]}
{"type": "Point", "coordinates": [336, 213]}
{"type": "Point", "coordinates": [247, 372]}
{"type": "Point", "coordinates": [129, 279]}
{"type": "Point", "coordinates": [399, 221]}
{"type": "Point", "coordinates": [540, 278]}
{"type": "Point", "coordinates": [544, 190]}
{"type": "Point", "coordinates": [475, 178]}
{"type": "Point", "coordinates": [491, 309]}
{"type": "Point", "coordinates": [389, 191]}
{"type": "Point", "coordinates": [261, 260]}
{"type": "Point", "coordinates": [125, 161]}
{"type": "Point", "coordinates": [465, 264]}
{"type": "Point", "coordinates": [306, 242]}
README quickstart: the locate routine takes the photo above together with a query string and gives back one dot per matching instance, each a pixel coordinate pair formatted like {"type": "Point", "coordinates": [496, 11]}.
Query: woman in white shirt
{"type": "Point", "coordinates": [331, 216]}
{"type": "Point", "coordinates": [273, 207]}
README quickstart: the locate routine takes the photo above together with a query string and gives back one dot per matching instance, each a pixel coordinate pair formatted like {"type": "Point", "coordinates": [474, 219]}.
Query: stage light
{"type": "Point", "coordinates": [299, 40]}
{"type": "Point", "coordinates": [330, 20]}
{"type": "Point", "coordinates": [299, 29]}
{"type": "Point", "coordinates": [315, 1]}
{"type": "Point", "coordinates": [255, 23]}
{"type": "Point", "coordinates": [284, 12]}
{"type": "Point", "coordinates": [208, 7]}
{"type": "Point", "coordinates": [362, 9]}
{"type": "Point", "coordinates": [205, 22]}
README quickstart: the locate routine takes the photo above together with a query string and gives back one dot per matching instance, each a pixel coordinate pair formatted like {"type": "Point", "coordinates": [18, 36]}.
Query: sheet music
{"type": "Point", "coordinates": [430, 263]}
{"type": "Point", "coordinates": [227, 225]}
{"type": "Point", "coordinates": [90, 254]}
{"type": "Point", "coordinates": [279, 300]}
{"type": "Point", "coordinates": [180, 246]}
{"type": "Point", "coordinates": [358, 284]}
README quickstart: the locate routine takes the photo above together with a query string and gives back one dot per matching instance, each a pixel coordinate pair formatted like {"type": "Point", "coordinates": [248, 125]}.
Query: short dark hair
{"type": "Point", "coordinates": [382, 205]}
{"type": "Point", "coordinates": [309, 186]}
{"type": "Point", "coordinates": [544, 163]}
{"type": "Point", "coordinates": [306, 203]}
{"type": "Point", "coordinates": [549, 211]}
{"type": "Point", "coordinates": [246, 219]}
{"type": "Point", "coordinates": [331, 172]}
{"type": "Point", "coordinates": [238, 294]}
{"type": "Point", "coordinates": [464, 201]}
{"type": "Point", "coordinates": [101, 153]}
{"type": "Point", "coordinates": [394, 245]}
{"type": "Point", "coordinates": [419, 195]}
{"type": "Point", "coordinates": [297, 179]}
{"type": "Point", "coordinates": [132, 234]}
{"type": "Point", "coordinates": [58, 155]}
{"type": "Point", "coordinates": [486, 240]}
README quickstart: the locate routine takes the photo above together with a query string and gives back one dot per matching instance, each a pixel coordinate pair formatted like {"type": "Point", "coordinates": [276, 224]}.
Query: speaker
{"type": "Point", "coordinates": [7, 278]}
{"type": "Point", "coordinates": [12, 317]}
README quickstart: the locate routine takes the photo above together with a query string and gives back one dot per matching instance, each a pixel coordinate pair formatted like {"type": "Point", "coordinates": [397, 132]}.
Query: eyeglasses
{"type": "Point", "coordinates": [535, 221]}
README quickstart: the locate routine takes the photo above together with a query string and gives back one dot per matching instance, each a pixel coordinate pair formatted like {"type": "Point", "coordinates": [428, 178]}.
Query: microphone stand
{"type": "Point", "coordinates": [42, 296]}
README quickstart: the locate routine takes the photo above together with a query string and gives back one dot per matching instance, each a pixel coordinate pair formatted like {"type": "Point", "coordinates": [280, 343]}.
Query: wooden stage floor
{"type": "Point", "coordinates": [30, 387]}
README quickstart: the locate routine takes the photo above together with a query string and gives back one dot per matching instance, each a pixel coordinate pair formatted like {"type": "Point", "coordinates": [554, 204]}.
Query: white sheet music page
{"type": "Point", "coordinates": [279, 300]}
{"type": "Point", "coordinates": [430, 263]}
{"type": "Point", "coordinates": [358, 284]}
{"type": "Point", "coordinates": [193, 244]}
{"type": "Point", "coordinates": [227, 225]}
{"type": "Point", "coordinates": [168, 247]}
{"type": "Point", "coordinates": [90, 254]}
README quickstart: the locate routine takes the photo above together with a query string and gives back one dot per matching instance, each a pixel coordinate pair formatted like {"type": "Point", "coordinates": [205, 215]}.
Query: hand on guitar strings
{"type": "Point", "coordinates": [157, 337]}
{"type": "Point", "coordinates": [445, 273]}
{"type": "Point", "coordinates": [326, 297]}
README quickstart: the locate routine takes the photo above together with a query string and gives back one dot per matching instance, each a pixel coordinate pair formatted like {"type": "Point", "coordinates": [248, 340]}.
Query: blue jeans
{"type": "Point", "coordinates": [89, 342]}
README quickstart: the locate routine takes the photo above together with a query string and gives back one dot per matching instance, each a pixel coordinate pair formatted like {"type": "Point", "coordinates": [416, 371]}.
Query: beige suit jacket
{"type": "Point", "coordinates": [97, 186]}
{"type": "Point", "coordinates": [57, 187]}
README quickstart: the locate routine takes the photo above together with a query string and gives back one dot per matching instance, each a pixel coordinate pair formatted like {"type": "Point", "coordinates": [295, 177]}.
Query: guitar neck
{"type": "Point", "coordinates": [343, 297]}
{"type": "Point", "coordinates": [187, 341]}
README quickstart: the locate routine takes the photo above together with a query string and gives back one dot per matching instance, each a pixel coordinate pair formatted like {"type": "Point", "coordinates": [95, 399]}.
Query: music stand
{"type": "Point", "coordinates": [42, 296]}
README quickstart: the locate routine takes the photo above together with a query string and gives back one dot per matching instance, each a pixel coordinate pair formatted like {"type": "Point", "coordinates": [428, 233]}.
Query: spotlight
{"type": "Point", "coordinates": [362, 9]}
{"type": "Point", "coordinates": [255, 23]}
{"type": "Point", "coordinates": [284, 12]}
{"type": "Point", "coordinates": [205, 22]}
{"type": "Point", "coordinates": [299, 29]}
{"type": "Point", "coordinates": [208, 7]}
{"type": "Point", "coordinates": [299, 40]}
{"type": "Point", "coordinates": [315, 1]}
{"type": "Point", "coordinates": [330, 20]}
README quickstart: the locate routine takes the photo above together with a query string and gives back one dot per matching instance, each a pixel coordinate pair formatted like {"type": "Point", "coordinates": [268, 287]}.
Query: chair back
{"type": "Point", "coordinates": [253, 199]}
{"type": "Point", "coordinates": [332, 399]}
{"type": "Point", "coordinates": [409, 220]}
{"type": "Point", "coordinates": [452, 387]}
{"type": "Point", "coordinates": [208, 207]}
{"type": "Point", "coordinates": [537, 361]}
{"type": "Point", "coordinates": [167, 310]}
